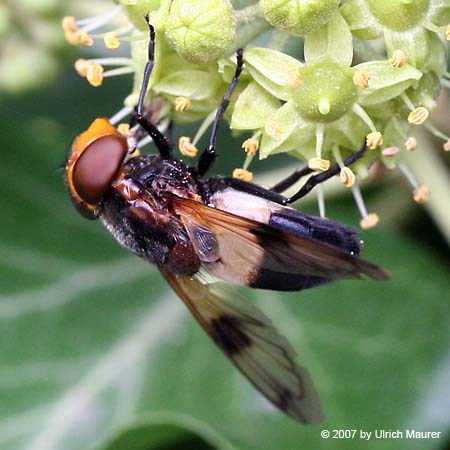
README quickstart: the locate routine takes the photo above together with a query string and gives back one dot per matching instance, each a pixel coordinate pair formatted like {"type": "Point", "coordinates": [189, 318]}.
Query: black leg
{"type": "Point", "coordinates": [164, 148]}
{"type": "Point", "coordinates": [291, 179]}
{"type": "Point", "coordinates": [209, 154]}
{"type": "Point", "coordinates": [331, 172]}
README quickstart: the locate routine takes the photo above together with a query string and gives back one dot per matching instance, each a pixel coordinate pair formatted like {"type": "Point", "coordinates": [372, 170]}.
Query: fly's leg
{"type": "Point", "coordinates": [209, 154]}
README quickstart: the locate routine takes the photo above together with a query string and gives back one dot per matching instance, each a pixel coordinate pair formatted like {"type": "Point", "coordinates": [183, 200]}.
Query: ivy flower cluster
{"type": "Point", "coordinates": [371, 72]}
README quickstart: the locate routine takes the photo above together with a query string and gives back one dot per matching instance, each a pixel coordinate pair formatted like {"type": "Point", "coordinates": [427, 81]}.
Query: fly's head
{"type": "Point", "coordinates": [96, 158]}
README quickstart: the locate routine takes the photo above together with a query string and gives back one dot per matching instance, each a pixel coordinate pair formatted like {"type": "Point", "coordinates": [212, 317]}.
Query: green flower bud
{"type": "Point", "coordinates": [327, 93]}
{"type": "Point", "coordinates": [299, 17]}
{"type": "Point", "coordinates": [253, 108]}
{"type": "Point", "coordinates": [399, 15]}
{"type": "Point", "coordinates": [200, 31]}
{"type": "Point", "coordinates": [439, 12]}
{"type": "Point", "coordinates": [361, 21]}
{"type": "Point", "coordinates": [137, 12]}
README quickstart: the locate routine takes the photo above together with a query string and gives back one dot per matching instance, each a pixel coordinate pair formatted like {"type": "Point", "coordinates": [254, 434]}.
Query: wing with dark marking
{"type": "Point", "coordinates": [249, 339]}
{"type": "Point", "coordinates": [246, 246]}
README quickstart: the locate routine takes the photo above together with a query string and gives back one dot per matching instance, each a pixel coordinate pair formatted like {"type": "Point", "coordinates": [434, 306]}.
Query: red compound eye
{"type": "Point", "coordinates": [97, 166]}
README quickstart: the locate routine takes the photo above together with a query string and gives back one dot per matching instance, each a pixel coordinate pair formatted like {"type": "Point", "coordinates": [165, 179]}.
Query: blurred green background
{"type": "Point", "coordinates": [98, 353]}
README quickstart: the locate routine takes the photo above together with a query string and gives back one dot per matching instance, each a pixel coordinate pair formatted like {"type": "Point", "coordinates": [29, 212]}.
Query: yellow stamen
{"type": "Point", "coordinates": [95, 74]}
{"type": "Point", "coordinates": [410, 144]}
{"type": "Point", "coordinates": [273, 130]}
{"type": "Point", "coordinates": [447, 146]}
{"type": "Point", "coordinates": [186, 147]}
{"type": "Point", "coordinates": [319, 164]}
{"type": "Point", "coordinates": [374, 140]}
{"type": "Point", "coordinates": [182, 103]}
{"type": "Point", "coordinates": [347, 177]}
{"type": "Point", "coordinates": [361, 79]}
{"type": "Point", "coordinates": [68, 24]}
{"type": "Point", "coordinates": [295, 78]}
{"type": "Point", "coordinates": [82, 66]}
{"type": "Point", "coordinates": [398, 59]}
{"type": "Point", "coordinates": [124, 129]}
{"type": "Point", "coordinates": [421, 194]}
{"type": "Point", "coordinates": [111, 40]}
{"type": "Point", "coordinates": [251, 146]}
{"type": "Point", "coordinates": [369, 221]}
{"type": "Point", "coordinates": [447, 32]}
{"type": "Point", "coordinates": [243, 174]}
{"type": "Point", "coordinates": [390, 151]}
{"type": "Point", "coordinates": [418, 116]}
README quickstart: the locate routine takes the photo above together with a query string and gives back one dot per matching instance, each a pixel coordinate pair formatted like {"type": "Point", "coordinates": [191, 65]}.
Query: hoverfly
{"type": "Point", "coordinates": [171, 215]}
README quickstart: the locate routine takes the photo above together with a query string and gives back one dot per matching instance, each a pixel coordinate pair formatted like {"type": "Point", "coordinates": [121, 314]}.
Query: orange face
{"type": "Point", "coordinates": [97, 155]}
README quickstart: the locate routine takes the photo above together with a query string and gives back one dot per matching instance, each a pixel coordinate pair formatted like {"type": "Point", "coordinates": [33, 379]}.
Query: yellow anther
{"type": "Point", "coordinates": [251, 146]}
{"type": "Point", "coordinates": [418, 116]}
{"type": "Point", "coordinates": [447, 146]}
{"type": "Point", "coordinates": [361, 79]}
{"type": "Point", "coordinates": [243, 174]}
{"type": "Point", "coordinates": [124, 129]}
{"type": "Point", "coordinates": [347, 177]}
{"type": "Point", "coordinates": [79, 38]}
{"type": "Point", "coordinates": [398, 59]}
{"type": "Point", "coordinates": [295, 78]}
{"type": "Point", "coordinates": [319, 164]}
{"type": "Point", "coordinates": [421, 194]}
{"type": "Point", "coordinates": [374, 140]}
{"type": "Point", "coordinates": [273, 130]}
{"type": "Point", "coordinates": [111, 40]}
{"type": "Point", "coordinates": [447, 32]}
{"type": "Point", "coordinates": [186, 147]}
{"type": "Point", "coordinates": [132, 2]}
{"type": "Point", "coordinates": [95, 74]}
{"type": "Point", "coordinates": [68, 24]}
{"type": "Point", "coordinates": [390, 151]}
{"type": "Point", "coordinates": [410, 144]}
{"type": "Point", "coordinates": [369, 221]}
{"type": "Point", "coordinates": [82, 66]}
{"type": "Point", "coordinates": [182, 103]}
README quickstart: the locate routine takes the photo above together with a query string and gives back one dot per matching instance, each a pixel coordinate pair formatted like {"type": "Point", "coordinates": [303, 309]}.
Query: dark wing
{"type": "Point", "coordinates": [243, 247]}
{"type": "Point", "coordinates": [249, 339]}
